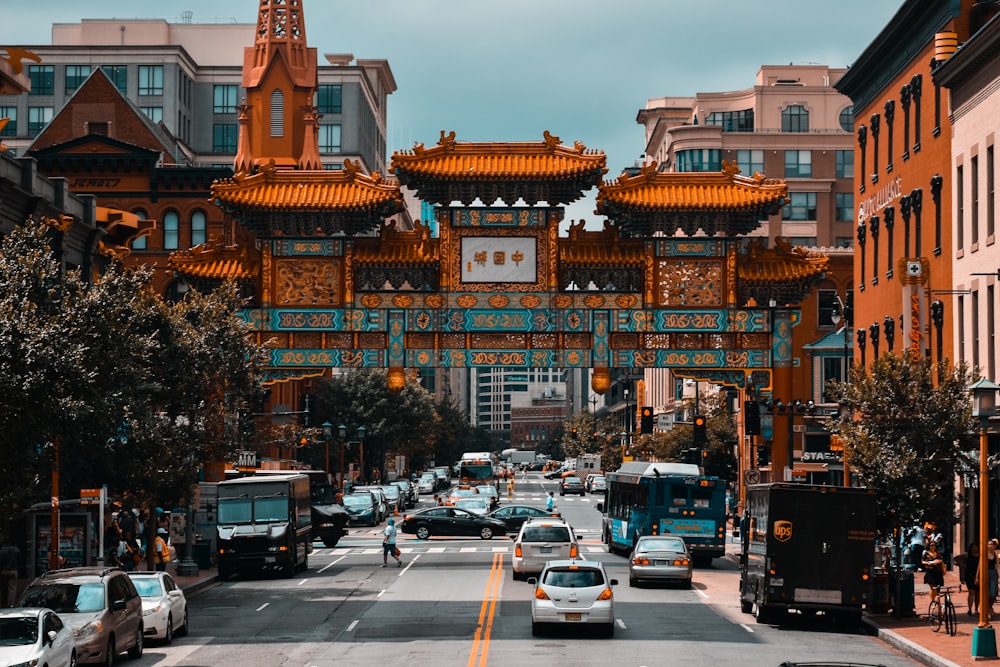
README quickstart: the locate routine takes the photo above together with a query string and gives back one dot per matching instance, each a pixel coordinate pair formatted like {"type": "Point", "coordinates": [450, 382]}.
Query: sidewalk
{"type": "Point", "coordinates": [914, 637]}
{"type": "Point", "coordinates": [192, 585]}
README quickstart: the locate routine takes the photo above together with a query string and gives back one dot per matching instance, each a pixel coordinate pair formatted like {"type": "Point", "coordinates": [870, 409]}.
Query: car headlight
{"type": "Point", "coordinates": [30, 663]}
{"type": "Point", "coordinates": [152, 610]}
{"type": "Point", "coordinates": [88, 630]}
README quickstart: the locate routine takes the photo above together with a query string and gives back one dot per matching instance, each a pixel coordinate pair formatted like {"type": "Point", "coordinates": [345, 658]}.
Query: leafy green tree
{"type": "Point", "coordinates": [903, 436]}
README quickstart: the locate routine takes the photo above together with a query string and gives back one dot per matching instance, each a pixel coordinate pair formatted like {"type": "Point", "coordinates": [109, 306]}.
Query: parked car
{"type": "Point", "coordinates": [539, 541]}
{"type": "Point", "coordinates": [476, 504]}
{"type": "Point", "coordinates": [164, 607]}
{"type": "Point", "coordinates": [572, 484]}
{"type": "Point", "coordinates": [660, 558]}
{"type": "Point", "coordinates": [599, 484]}
{"type": "Point", "coordinates": [451, 521]}
{"type": "Point", "coordinates": [573, 592]}
{"type": "Point", "coordinates": [100, 605]}
{"type": "Point", "coordinates": [362, 508]}
{"type": "Point", "coordinates": [381, 500]}
{"type": "Point", "coordinates": [514, 516]}
{"type": "Point", "coordinates": [409, 492]}
{"type": "Point", "coordinates": [394, 497]}
{"type": "Point", "coordinates": [35, 636]}
{"type": "Point", "coordinates": [427, 483]}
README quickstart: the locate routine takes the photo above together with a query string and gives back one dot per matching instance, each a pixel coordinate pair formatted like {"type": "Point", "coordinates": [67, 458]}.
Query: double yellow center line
{"type": "Point", "coordinates": [481, 640]}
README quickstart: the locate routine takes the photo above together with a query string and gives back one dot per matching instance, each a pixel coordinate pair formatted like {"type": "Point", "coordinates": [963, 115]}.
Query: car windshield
{"type": "Point", "coordinates": [148, 587]}
{"type": "Point", "coordinates": [464, 493]}
{"type": "Point", "coordinates": [573, 577]}
{"type": "Point", "coordinates": [545, 534]}
{"type": "Point", "coordinates": [661, 545]}
{"type": "Point", "coordinates": [487, 490]}
{"type": "Point", "coordinates": [573, 481]}
{"type": "Point", "coordinates": [471, 503]}
{"type": "Point", "coordinates": [66, 598]}
{"type": "Point", "coordinates": [357, 501]}
{"type": "Point", "coordinates": [18, 631]}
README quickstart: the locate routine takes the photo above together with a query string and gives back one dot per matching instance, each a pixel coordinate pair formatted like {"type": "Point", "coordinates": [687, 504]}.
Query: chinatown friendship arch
{"type": "Point", "coordinates": [335, 286]}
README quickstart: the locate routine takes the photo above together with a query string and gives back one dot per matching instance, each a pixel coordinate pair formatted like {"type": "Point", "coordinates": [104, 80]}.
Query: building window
{"type": "Point", "coordinates": [155, 113]}
{"type": "Point", "coordinates": [171, 230]}
{"type": "Point", "coordinates": [802, 206]}
{"type": "Point", "coordinates": [706, 159]}
{"type": "Point", "coordinates": [140, 242]}
{"type": "Point", "coordinates": [329, 99]}
{"type": "Point", "coordinates": [199, 228]}
{"type": "Point", "coordinates": [750, 162]}
{"type": "Point", "coordinates": [224, 138]}
{"type": "Point", "coordinates": [732, 121]}
{"type": "Point", "coordinates": [118, 74]}
{"type": "Point", "coordinates": [795, 118]}
{"type": "Point", "coordinates": [844, 206]}
{"type": "Point", "coordinates": [10, 113]}
{"type": "Point", "coordinates": [826, 303]}
{"type": "Point", "coordinates": [329, 138]}
{"type": "Point", "coordinates": [974, 199]}
{"type": "Point", "coordinates": [43, 79]}
{"type": "Point", "coordinates": [224, 99]}
{"type": "Point", "coordinates": [976, 326]}
{"type": "Point", "coordinates": [150, 79]}
{"type": "Point", "coordinates": [798, 164]}
{"type": "Point", "coordinates": [960, 316]}
{"type": "Point", "coordinates": [38, 118]}
{"type": "Point", "coordinates": [991, 333]}
{"type": "Point", "coordinates": [960, 210]}
{"type": "Point", "coordinates": [990, 197]}
{"type": "Point", "coordinates": [845, 164]}
{"type": "Point", "coordinates": [75, 76]}
{"type": "Point", "coordinates": [843, 242]}
{"type": "Point", "coordinates": [277, 113]}
{"type": "Point", "coordinates": [847, 119]}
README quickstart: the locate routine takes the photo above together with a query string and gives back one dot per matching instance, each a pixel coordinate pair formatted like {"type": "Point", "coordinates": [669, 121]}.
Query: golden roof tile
{"type": "Point", "coordinates": [215, 261]}
{"type": "Point", "coordinates": [784, 273]}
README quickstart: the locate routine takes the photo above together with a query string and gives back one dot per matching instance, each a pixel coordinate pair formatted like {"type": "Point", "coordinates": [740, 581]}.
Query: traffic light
{"type": "Point", "coordinates": [700, 432]}
{"type": "Point", "coordinates": [308, 410]}
{"type": "Point", "coordinates": [751, 417]}
{"type": "Point", "coordinates": [646, 420]}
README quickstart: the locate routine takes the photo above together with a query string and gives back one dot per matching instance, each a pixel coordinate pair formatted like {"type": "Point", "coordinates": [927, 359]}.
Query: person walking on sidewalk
{"type": "Point", "coordinates": [389, 544]}
{"type": "Point", "coordinates": [933, 569]}
{"type": "Point", "coordinates": [970, 576]}
{"type": "Point", "coordinates": [10, 565]}
{"type": "Point", "coordinates": [991, 571]}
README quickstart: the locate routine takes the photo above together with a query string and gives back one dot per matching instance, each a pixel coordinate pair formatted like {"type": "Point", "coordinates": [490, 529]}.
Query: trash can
{"type": "Point", "coordinates": [879, 602]}
{"type": "Point", "coordinates": [904, 605]}
{"type": "Point", "coordinates": [201, 553]}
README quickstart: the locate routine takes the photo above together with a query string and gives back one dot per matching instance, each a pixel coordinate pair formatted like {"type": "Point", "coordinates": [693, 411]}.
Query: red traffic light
{"type": "Point", "coordinates": [699, 421]}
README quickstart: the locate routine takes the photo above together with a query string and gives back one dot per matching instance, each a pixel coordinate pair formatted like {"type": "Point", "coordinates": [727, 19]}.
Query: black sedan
{"type": "Point", "coordinates": [572, 484]}
{"type": "Point", "coordinates": [451, 521]}
{"type": "Point", "coordinates": [514, 515]}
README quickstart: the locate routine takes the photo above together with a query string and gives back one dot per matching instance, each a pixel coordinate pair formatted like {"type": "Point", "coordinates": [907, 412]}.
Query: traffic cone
{"type": "Point", "coordinates": [395, 510]}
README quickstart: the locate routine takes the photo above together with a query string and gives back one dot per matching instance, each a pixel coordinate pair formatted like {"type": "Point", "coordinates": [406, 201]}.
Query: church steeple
{"type": "Point", "coordinates": [280, 77]}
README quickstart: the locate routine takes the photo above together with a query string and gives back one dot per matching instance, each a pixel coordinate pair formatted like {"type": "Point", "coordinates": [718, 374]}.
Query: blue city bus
{"type": "Point", "coordinates": [659, 498]}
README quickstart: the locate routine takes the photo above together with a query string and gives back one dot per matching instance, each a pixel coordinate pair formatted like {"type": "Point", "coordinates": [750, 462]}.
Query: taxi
{"type": "Point", "coordinates": [461, 491]}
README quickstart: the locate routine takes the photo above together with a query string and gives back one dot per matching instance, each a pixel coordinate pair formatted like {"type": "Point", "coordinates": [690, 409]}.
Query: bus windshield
{"type": "Point", "coordinates": [249, 510]}
{"type": "Point", "coordinates": [475, 472]}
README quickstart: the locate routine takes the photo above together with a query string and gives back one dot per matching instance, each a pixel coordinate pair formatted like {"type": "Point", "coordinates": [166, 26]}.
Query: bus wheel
{"type": "Point", "coordinates": [746, 606]}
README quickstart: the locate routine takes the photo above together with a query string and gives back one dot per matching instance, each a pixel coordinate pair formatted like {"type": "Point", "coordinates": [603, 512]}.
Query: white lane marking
{"type": "Point", "coordinates": [380, 593]}
{"type": "Point", "coordinates": [354, 623]}
{"type": "Point", "coordinates": [501, 550]}
{"type": "Point", "coordinates": [327, 567]}
{"type": "Point", "coordinates": [621, 623]}
{"type": "Point", "coordinates": [409, 565]}
{"type": "Point", "coordinates": [468, 550]}
{"type": "Point", "coordinates": [436, 550]}
{"type": "Point", "coordinates": [262, 606]}
{"type": "Point", "coordinates": [702, 593]}
{"type": "Point", "coordinates": [746, 627]}
{"type": "Point", "coordinates": [302, 582]}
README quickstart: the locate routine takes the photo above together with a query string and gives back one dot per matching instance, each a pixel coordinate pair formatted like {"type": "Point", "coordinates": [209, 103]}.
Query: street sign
{"type": "Point", "coordinates": [246, 458]}
{"type": "Point", "coordinates": [90, 496]}
{"type": "Point", "coordinates": [752, 476]}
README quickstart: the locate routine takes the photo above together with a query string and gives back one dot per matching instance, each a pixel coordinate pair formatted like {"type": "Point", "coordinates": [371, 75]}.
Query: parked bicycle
{"type": "Point", "coordinates": [941, 610]}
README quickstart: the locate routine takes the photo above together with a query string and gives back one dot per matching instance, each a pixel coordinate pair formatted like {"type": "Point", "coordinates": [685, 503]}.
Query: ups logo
{"type": "Point", "coordinates": [782, 530]}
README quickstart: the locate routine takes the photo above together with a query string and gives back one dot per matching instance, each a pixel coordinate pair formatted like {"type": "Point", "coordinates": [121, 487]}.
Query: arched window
{"type": "Point", "coordinates": [171, 230]}
{"type": "Point", "coordinates": [847, 119]}
{"type": "Point", "coordinates": [139, 243]}
{"type": "Point", "coordinates": [277, 113]}
{"type": "Point", "coordinates": [198, 228]}
{"type": "Point", "coordinates": [795, 118]}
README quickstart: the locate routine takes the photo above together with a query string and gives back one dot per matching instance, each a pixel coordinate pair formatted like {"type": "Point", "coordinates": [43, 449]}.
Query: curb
{"type": "Point", "coordinates": [910, 648]}
{"type": "Point", "coordinates": [198, 586]}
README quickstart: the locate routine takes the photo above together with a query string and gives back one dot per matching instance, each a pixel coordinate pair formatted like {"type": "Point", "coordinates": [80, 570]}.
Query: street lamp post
{"type": "Point", "coordinates": [342, 435]}
{"type": "Point", "coordinates": [984, 392]}
{"type": "Point", "coordinates": [361, 452]}
{"type": "Point", "coordinates": [327, 435]}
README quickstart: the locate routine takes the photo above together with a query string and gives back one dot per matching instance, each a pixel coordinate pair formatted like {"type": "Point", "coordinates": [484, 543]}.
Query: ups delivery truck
{"type": "Point", "coordinates": [263, 525]}
{"type": "Point", "coordinates": [806, 548]}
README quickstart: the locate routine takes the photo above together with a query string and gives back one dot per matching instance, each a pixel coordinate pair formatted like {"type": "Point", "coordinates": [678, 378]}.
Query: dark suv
{"type": "Point", "coordinates": [101, 606]}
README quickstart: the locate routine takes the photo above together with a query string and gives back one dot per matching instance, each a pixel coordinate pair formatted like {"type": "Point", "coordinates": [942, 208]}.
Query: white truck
{"type": "Point", "coordinates": [522, 457]}
{"type": "Point", "coordinates": [588, 464]}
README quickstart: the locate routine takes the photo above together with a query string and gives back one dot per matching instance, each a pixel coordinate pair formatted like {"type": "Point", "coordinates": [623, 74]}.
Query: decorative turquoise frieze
{"type": "Point", "coordinates": [307, 247]}
{"type": "Point", "coordinates": [489, 320]}
{"type": "Point", "coordinates": [489, 358]}
{"type": "Point", "coordinates": [284, 357]}
{"type": "Point", "coordinates": [689, 358]}
{"type": "Point", "coordinates": [692, 247]}
{"type": "Point", "coordinates": [690, 321]}
{"type": "Point", "coordinates": [498, 217]}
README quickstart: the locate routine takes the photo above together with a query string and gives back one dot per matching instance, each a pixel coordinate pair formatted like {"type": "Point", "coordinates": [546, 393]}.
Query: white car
{"type": "Point", "coordinates": [573, 592]}
{"type": "Point", "coordinates": [476, 505]}
{"type": "Point", "coordinates": [426, 484]}
{"type": "Point", "coordinates": [164, 607]}
{"type": "Point", "coordinates": [35, 636]}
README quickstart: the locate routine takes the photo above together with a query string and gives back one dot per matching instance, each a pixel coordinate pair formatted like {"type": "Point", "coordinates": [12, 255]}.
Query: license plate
{"type": "Point", "coordinates": [573, 616]}
{"type": "Point", "coordinates": [270, 559]}
{"type": "Point", "coordinates": [661, 562]}
{"type": "Point", "coordinates": [546, 550]}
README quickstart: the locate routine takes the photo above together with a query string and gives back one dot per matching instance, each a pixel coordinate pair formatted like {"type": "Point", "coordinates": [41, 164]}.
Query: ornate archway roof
{"type": "Point", "coordinates": [286, 202]}
{"type": "Point", "coordinates": [785, 273]}
{"type": "Point", "coordinates": [653, 201]}
{"type": "Point", "coordinates": [398, 248]}
{"type": "Point", "coordinates": [215, 261]}
{"type": "Point", "coordinates": [506, 171]}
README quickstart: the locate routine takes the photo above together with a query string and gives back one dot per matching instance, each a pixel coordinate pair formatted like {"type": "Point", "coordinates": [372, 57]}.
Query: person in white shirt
{"type": "Point", "coordinates": [389, 544]}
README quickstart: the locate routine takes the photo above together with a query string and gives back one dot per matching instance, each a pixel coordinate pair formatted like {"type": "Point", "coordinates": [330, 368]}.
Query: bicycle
{"type": "Point", "coordinates": [942, 610]}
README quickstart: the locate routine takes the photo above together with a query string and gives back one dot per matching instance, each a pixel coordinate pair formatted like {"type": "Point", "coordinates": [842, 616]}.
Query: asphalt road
{"type": "Point", "coordinates": [455, 603]}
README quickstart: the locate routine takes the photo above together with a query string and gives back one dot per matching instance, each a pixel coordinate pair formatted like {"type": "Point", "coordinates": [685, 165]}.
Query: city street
{"type": "Point", "coordinates": [454, 602]}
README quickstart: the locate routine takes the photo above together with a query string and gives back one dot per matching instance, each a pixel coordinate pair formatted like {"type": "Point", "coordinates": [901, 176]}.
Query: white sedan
{"type": "Point", "coordinates": [164, 607]}
{"type": "Point", "coordinates": [35, 636]}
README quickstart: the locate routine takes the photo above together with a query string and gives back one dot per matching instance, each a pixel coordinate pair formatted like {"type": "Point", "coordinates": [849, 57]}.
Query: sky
{"type": "Point", "coordinates": [508, 70]}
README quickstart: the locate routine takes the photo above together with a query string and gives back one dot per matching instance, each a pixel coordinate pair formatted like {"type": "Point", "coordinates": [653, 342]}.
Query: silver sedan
{"type": "Point", "coordinates": [660, 558]}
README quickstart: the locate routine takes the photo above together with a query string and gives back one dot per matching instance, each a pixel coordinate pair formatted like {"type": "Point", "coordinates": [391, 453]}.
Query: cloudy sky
{"type": "Point", "coordinates": [507, 70]}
